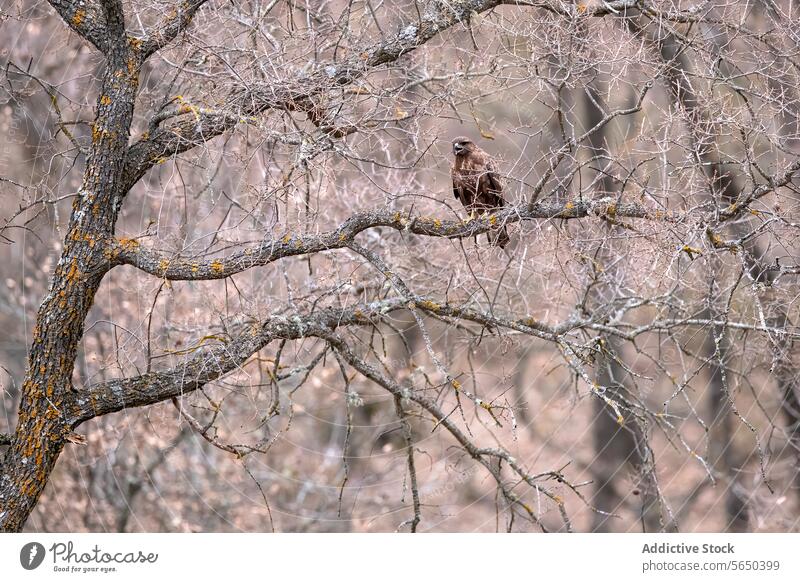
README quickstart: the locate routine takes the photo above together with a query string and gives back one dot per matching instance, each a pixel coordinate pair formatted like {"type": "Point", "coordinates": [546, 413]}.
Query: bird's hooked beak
{"type": "Point", "coordinates": [458, 148]}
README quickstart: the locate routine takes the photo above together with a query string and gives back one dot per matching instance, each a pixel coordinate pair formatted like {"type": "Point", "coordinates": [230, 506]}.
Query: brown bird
{"type": "Point", "coordinates": [476, 184]}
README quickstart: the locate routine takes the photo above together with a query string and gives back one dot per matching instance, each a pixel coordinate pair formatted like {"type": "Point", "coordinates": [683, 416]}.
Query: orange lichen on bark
{"type": "Point", "coordinates": [133, 71]}
{"type": "Point", "coordinates": [74, 274]}
{"type": "Point", "coordinates": [429, 305]}
{"type": "Point", "coordinates": [98, 133]}
{"type": "Point", "coordinates": [129, 244]}
{"type": "Point", "coordinates": [568, 207]}
{"type": "Point", "coordinates": [715, 239]}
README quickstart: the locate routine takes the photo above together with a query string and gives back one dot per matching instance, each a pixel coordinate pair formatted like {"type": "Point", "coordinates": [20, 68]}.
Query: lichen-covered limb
{"type": "Point", "coordinates": [164, 265]}
{"type": "Point", "coordinates": [213, 362]}
{"type": "Point", "coordinates": [46, 395]}
{"type": "Point", "coordinates": [85, 17]}
{"type": "Point", "coordinates": [620, 8]}
{"type": "Point", "coordinates": [88, 19]}
{"type": "Point", "coordinates": [743, 200]}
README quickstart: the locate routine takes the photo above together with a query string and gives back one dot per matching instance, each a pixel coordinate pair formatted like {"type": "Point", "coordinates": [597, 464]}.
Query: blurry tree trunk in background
{"type": "Point", "coordinates": [724, 458]}
{"type": "Point", "coordinates": [522, 385]}
{"type": "Point", "coordinates": [784, 347]}
{"type": "Point", "coordinates": [136, 484]}
{"type": "Point", "coordinates": [622, 460]}
{"type": "Point", "coordinates": [722, 186]}
{"type": "Point", "coordinates": [788, 380]}
{"type": "Point", "coordinates": [725, 186]}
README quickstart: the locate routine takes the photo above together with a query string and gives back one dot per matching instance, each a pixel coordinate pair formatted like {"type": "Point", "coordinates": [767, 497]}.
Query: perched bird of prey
{"type": "Point", "coordinates": [477, 185]}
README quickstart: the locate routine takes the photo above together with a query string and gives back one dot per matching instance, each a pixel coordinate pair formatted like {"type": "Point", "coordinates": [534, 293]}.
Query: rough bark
{"type": "Point", "coordinates": [47, 395]}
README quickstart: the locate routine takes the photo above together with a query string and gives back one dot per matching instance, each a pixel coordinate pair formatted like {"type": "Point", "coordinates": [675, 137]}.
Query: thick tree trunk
{"type": "Point", "coordinates": [43, 424]}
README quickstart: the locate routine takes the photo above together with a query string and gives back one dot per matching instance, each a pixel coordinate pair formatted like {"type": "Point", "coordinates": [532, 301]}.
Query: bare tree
{"type": "Point", "coordinates": [241, 222]}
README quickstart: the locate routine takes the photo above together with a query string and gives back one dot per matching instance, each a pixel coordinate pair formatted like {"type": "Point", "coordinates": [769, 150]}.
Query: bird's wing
{"type": "Point", "coordinates": [494, 183]}
{"type": "Point", "coordinates": [457, 189]}
{"type": "Point", "coordinates": [489, 184]}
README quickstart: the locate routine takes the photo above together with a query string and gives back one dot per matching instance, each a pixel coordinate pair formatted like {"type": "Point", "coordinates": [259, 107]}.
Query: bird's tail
{"type": "Point", "coordinates": [499, 238]}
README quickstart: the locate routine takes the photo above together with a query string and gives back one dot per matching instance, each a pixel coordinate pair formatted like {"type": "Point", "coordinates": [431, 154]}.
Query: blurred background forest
{"type": "Point", "coordinates": [667, 399]}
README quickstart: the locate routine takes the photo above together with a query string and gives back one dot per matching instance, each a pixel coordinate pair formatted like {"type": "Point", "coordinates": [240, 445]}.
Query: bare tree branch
{"type": "Point", "coordinates": [87, 18]}
{"type": "Point", "coordinates": [131, 252]}
{"type": "Point", "coordinates": [176, 20]}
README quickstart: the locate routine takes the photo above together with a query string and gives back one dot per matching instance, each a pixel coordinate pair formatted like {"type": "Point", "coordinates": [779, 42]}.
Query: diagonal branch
{"type": "Point", "coordinates": [600, 9]}
{"type": "Point", "coordinates": [214, 362]}
{"type": "Point", "coordinates": [776, 181]}
{"type": "Point", "coordinates": [176, 21]}
{"type": "Point", "coordinates": [257, 99]}
{"type": "Point", "coordinates": [86, 18]}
